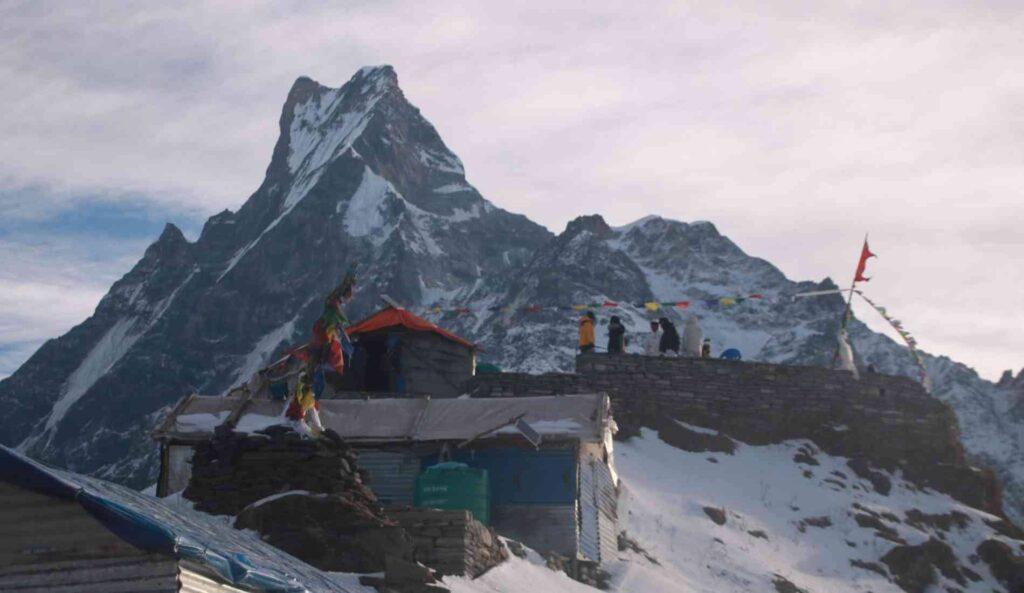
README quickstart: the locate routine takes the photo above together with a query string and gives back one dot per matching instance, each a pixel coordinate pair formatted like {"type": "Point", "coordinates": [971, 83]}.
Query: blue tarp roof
{"type": "Point", "coordinates": [239, 557]}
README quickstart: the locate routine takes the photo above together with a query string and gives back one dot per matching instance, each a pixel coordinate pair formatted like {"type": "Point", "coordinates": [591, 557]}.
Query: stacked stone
{"type": "Point", "coordinates": [451, 542]}
{"type": "Point", "coordinates": [889, 421]}
{"type": "Point", "coordinates": [585, 571]}
{"type": "Point", "coordinates": [234, 470]}
{"type": "Point", "coordinates": [329, 531]}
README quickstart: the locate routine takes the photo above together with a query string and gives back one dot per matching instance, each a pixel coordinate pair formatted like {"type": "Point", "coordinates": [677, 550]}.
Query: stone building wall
{"type": "Point", "coordinates": [891, 421]}
{"type": "Point", "coordinates": [451, 542]}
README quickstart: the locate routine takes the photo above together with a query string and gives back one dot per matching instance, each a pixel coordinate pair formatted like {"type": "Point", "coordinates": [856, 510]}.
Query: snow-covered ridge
{"type": "Point", "coordinates": [107, 352]}
{"type": "Point", "coordinates": [818, 526]}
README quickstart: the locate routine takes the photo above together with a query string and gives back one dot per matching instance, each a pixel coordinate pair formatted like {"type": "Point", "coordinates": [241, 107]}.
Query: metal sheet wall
{"type": "Point", "coordinates": [543, 528]}
{"type": "Point", "coordinates": [606, 496]}
{"type": "Point", "coordinates": [522, 477]}
{"type": "Point", "coordinates": [598, 512]}
{"type": "Point", "coordinates": [150, 573]}
{"type": "Point", "coordinates": [392, 475]}
{"type": "Point", "coordinates": [590, 537]}
{"type": "Point", "coordinates": [39, 528]}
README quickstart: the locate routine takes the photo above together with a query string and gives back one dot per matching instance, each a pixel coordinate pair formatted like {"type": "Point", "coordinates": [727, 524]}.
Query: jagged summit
{"type": "Point", "coordinates": [592, 223]}
{"type": "Point", "coordinates": [171, 232]}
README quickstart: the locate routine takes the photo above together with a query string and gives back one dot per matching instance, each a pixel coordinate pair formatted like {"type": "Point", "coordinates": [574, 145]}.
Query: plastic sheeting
{"type": "Point", "coordinates": [582, 418]}
{"type": "Point", "coordinates": [237, 557]}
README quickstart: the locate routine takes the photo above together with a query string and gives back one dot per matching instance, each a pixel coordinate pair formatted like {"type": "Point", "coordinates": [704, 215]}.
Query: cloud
{"type": "Point", "coordinates": [795, 128]}
{"type": "Point", "coordinates": [61, 253]}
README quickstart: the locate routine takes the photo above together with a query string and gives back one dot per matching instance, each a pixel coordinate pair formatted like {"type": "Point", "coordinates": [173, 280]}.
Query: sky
{"type": "Point", "coordinates": [796, 127]}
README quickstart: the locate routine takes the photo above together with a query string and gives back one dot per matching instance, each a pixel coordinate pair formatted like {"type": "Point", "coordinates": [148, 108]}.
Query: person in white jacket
{"type": "Point", "coordinates": [653, 340]}
{"type": "Point", "coordinates": [693, 338]}
{"type": "Point", "coordinates": [846, 354]}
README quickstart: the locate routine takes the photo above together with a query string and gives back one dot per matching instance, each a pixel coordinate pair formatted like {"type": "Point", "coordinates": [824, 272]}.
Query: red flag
{"type": "Point", "coordinates": [865, 253]}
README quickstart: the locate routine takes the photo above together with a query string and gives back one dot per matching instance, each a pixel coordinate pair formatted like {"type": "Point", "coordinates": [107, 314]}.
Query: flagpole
{"type": "Point", "coordinates": [853, 286]}
{"type": "Point", "coordinates": [849, 305]}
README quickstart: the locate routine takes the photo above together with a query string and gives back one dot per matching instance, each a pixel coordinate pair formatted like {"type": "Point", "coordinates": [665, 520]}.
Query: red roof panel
{"type": "Point", "coordinates": [392, 317]}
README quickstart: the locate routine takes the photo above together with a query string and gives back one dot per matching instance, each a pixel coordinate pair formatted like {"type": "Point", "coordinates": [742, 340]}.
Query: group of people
{"type": "Point", "coordinates": [664, 339]}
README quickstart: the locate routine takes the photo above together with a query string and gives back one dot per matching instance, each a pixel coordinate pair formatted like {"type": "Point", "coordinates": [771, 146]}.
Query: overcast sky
{"type": "Point", "coordinates": [795, 128]}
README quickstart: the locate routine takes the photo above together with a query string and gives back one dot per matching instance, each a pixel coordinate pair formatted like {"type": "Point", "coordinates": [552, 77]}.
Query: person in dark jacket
{"type": "Point", "coordinates": [669, 338]}
{"type": "Point", "coordinates": [616, 335]}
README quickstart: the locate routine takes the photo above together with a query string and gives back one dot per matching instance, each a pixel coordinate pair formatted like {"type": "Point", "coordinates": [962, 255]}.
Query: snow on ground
{"type": "Point", "coordinates": [766, 497]}
{"type": "Point", "coordinates": [762, 490]}
{"type": "Point", "coordinates": [783, 519]}
{"type": "Point", "coordinates": [519, 575]}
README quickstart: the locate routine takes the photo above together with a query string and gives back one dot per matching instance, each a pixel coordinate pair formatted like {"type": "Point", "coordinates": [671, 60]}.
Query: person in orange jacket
{"type": "Point", "coordinates": [587, 332]}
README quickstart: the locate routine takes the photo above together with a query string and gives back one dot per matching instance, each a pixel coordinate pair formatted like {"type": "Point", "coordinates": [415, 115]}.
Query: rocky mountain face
{"type": "Point", "coordinates": [359, 176]}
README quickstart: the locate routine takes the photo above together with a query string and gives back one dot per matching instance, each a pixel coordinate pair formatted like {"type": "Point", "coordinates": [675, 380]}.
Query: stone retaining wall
{"type": "Point", "coordinates": [889, 420]}
{"type": "Point", "coordinates": [451, 542]}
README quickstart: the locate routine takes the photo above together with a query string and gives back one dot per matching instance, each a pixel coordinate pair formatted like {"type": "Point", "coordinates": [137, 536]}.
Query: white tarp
{"type": "Point", "coordinates": [580, 417]}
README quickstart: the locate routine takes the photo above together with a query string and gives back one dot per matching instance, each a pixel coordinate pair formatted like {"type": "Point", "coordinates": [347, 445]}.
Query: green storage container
{"type": "Point", "coordinates": [455, 486]}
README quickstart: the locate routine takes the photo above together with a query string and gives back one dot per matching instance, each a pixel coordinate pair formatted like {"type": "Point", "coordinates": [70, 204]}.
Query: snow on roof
{"type": "Point", "coordinates": [237, 557]}
{"type": "Point", "coordinates": [581, 417]}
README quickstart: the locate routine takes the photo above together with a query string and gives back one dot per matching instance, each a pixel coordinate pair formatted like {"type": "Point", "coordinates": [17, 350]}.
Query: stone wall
{"type": "Point", "coordinates": [233, 470]}
{"type": "Point", "coordinates": [451, 542]}
{"type": "Point", "coordinates": [888, 420]}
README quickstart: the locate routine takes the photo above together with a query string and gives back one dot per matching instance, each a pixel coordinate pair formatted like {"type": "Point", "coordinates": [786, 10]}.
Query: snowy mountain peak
{"type": "Point", "coordinates": [359, 175]}
{"type": "Point", "coordinates": [381, 76]}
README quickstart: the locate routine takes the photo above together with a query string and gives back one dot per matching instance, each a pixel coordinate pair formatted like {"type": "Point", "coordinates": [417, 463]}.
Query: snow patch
{"type": "Point", "coordinates": [106, 353]}
{"type": "Point", "coordinates": [364, 215]}
{"type": "Point", "coordinates": [257, 422]}
{"type": "Point", "coordinates": [264, 349]}
{"type": "Point", "coordinates": [460, 215]}
{"type": "Point", "coordinates": [453, 188]}
{"type": "Point", "coordinates": [697, 429]}
{"type": "Point", "coordinates": [204, 422]}
{"type": "Point", "coordinates": [561, 426]}
{"type": "Point", "coordinates": [280, 495]}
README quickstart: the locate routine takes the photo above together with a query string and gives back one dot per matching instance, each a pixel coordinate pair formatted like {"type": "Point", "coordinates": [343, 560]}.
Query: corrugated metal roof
{"type": "Point", "coordinates": [581, 417]}
{"type": "Point", "coordinates": [236, 557]}
{"type": "Point", "coordinates": [392, 475]}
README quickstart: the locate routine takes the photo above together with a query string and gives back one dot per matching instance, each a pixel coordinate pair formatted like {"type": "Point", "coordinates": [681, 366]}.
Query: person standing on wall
{"type": "Point", "coordinates": [653, 340]}
{"type": "Point", "coordinates": [587, 332]}
{"type": "Point", "coordinates": [693, 338]}
{"type": "Point", "coordinates": [616, 335]}
{"type": "Point", "coordinates": [669, 345]}
{"type": "Point", "coordinates": [705, 349]}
